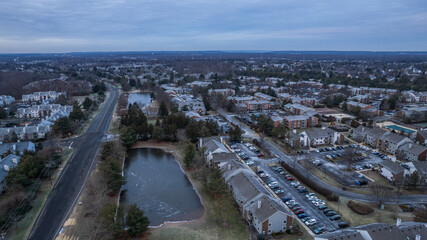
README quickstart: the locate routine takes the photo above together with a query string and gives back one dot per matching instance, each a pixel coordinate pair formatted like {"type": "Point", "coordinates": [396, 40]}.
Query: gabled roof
{"type": "Point", "coordinates": [410, 229]}
{"type": "Point", "coordinates": [382, 231]}
{"type": "Point", "coordinates": [393, 137]}
{"type": "Point", "coordinates": [413, 148]}
{"type": "Point", "coordinates": [342, 235]}
{"type": "Point", "coordinates": [268, 208]}
{"type": "Point", "coordinates": [392, 166]}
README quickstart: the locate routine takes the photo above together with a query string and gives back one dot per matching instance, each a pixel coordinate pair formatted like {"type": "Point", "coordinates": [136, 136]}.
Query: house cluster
{"type": "Point", "coordinates": [9, 158]}
{"type": "Point", "coordinates": [6, 100]}
{"type": "Point", "coordinates": [380, 231]}
{"type": "Point", "coordinates": [391, 143]}
{"type": "Point", "coordinates": [43, 111]}
{"type": "Point", "coordinates": [412, 114]}
{"type": "Point", "coordinates": [402, 147]}
{"type": "Point", "coordinates": [42, 96]}
{"type": "Point", "coordinates": [412, 96]}
{"type": "Point", "coordinates": [260, 209]}
{"type": "Point", "coordinates": [192, 106]}
{"type": "Point", "coordinates": [13, 134]}
{"type": "Point", "coordinates": [314, 137]}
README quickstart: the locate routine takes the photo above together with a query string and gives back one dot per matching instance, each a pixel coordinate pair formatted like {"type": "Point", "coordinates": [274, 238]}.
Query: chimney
{"type": "Point", "coordinates": [417, 237]}
{"type": "Point", "coordinates": [259, 204]}
{"type": "Point", "coordinates": [6, 168]}
{"type": "Point", "coordinates": [295, 131]}
{"type": "Point", "coordinates": [229, 167]}
{"type": "Point", "coordinates": [14, 147]}
{"type": "Point", "coordinates": [410, 145]}
{"type": "Point", "coordinates": [398, 222]}
{"type": "Point", "coordinates": [14, 160]}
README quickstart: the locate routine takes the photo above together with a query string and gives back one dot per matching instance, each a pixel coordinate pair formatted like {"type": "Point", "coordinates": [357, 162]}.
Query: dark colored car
{"type": "Point", "coordinates": [326, 210]}
{"type": "Point", "coordinates": [342, 224]}
{"type": "Point", "coordinates": [331, 213]}
{"type": "Point", "coordinates": [285, 199]}
{"type": "Point", "coordinates": [319, 230]}
{"type": "Point", "coordinates": [302, 190]}
{"type": "Point", "coordinates": [322, 207]}
{"type": "Point", "coordinates": [290, 178]}
{"type": "Point", "coordinates": [302, 215]}
{"type": "Point", "coordinates": [335, 217]}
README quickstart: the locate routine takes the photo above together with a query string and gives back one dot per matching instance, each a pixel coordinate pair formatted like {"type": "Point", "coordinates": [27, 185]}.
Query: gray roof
{"type": "Point", "coordinates": [7, 161]}
{"type": "Point", "coordinates": [392, 137]}
{"type": "Point", "coordinates": [318, 133]}
{"type": "Point", "coordinates": [382, 231]}
{"type": "Point", "coordinates": [392, 166]}
{"type": "Point", "coordinates": [245, 187]}
{"type": "Point", "coordinates": [341, 235]}
{"type": "Point", "coordinates": [412, 148]}
{"type": "Point", "coordinates": [224, 157]}
{"type": "Point", "coordinates": [423, 133]}
{"type": "Point", "coordinates": [411, 229]}
{"type": "Point", "coordinates": [268, 208]}
{"type": "Point", "coordinates": [19, 146]}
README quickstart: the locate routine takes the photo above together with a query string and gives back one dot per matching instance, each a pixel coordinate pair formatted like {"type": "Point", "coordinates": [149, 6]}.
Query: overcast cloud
{"type": "Point", "coordinates": [148, 25]}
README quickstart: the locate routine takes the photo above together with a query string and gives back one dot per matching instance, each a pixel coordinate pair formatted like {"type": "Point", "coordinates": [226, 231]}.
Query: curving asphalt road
{"type": "Point", "coordinates": [67, 189]}
{"type": "Point", "coordinates": [338, 191]}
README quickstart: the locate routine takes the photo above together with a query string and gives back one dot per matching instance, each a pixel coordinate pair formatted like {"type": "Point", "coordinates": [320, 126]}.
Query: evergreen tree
{"type": "Point", "coordinates": [87, 103]}
{"type": "Point", "coordinates": [163, 110]}
{"type": "Point", "coordinates": [189, 154]}
{"type": "Point", "coordinates": [136, 221]}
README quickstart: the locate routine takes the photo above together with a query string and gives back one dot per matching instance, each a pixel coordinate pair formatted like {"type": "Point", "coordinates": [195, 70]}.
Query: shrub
{"type": "Point", "coordinates": [359, 208]}
{"type": "Point", "coordinates": [325, 192]}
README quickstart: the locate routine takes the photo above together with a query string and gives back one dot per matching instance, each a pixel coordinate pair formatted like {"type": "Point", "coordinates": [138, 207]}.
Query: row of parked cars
{"type": "Point", "coordinates": [327, 149]}
{"type": "Point", "coordinates": [311, 197]}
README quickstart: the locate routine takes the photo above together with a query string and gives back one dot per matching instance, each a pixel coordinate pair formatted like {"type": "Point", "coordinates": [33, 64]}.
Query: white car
{"type": "Point", "coordinates": [309, 195]}
{"type": "Point", "coordinates": [237, 150]}
{"type": "Point", "coordinates": [273, 183]}
{"type": "Point", "coordinates": [290, 202]}
{"type": "Point", "coordinates": [250, 163]}
{"type": "Point", "coordinates": [310, 222]}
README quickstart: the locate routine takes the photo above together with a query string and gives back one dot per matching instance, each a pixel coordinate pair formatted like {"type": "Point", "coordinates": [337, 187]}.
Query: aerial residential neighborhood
{"type": "Point", "coordinates": [264, 157]}
{"type": "Point", "coordinates": [213, 120]}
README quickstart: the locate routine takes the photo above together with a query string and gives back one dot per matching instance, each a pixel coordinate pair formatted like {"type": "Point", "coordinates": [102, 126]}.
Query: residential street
{"type": "Point", "coordinates": [70, 183]}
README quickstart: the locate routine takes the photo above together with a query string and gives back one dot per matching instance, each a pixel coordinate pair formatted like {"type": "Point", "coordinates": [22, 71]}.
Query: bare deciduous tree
{"type": "Point", "coordinates": [381, 192]}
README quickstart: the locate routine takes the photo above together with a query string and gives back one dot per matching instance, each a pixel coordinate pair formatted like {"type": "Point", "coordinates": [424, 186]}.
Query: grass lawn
{"type": "Point", "coordinates": [388, 215]}
{"type": "Point", "coordinates": [23, 228]}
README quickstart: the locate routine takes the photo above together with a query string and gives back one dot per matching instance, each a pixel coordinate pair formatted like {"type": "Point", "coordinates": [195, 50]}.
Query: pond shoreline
{"type": "Point", "coordinates": [171, 149]}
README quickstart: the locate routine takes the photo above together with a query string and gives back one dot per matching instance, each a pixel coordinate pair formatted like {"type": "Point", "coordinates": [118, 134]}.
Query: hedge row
{"type": "Point", "coordinates": [359, 208]}
{"type": "Point", "coordinates": [325, 192]}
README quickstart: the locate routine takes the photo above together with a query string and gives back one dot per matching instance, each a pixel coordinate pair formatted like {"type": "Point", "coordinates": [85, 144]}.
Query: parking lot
{"type": "Point", "coordinates": [289, 190]}
{"type": "Point", "coordinates": [329, 160]}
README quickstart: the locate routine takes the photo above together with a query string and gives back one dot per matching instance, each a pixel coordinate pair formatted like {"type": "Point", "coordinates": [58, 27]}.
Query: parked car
{"type": "Point", "coordinates": [295, 208]}
{"type": "Point", "coordinates": [302, 215]}
{"type": "Point", "coordinates": [250, 162]}
{"type": "Point", "coordinates": [327, 210]}
{"type": "Point", "coordinates": [292, 205]}
{"type": "Point", "coordinates": [309, 195]}
{"type": "Point", "coordinates": [322, 207]}
{"type": "Point", "coordinates": [335, 217]}
{"type": "Point", "coordinates": [282, 172]}
{"type": "Point", "coordinates": [303, 190]}
{"type": "Point", "coordinates": [279, 191]}
{"type": "Point", "coordinates": [299, 211]}
{"type": "Point", "coordinates": [331, 213]}
{"type": "Point", "coordinates": [311, 222]}
{"type": "Point", "coordinates": [286, 199]}
{"type": "Point", "coordinates": [342, 224]}
{"type": "Point", "coordinates": [289, 201]}
{"type": "Point", "coordinates": [319, 230]}
{"type": "Point", "coordinates": [290, 178]}
{"type": "Point", "coordinates": [260, 155]}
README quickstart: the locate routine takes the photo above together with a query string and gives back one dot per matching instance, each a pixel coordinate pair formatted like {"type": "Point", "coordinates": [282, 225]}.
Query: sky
{"type": "Point", "coordinates": [51, 26]}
